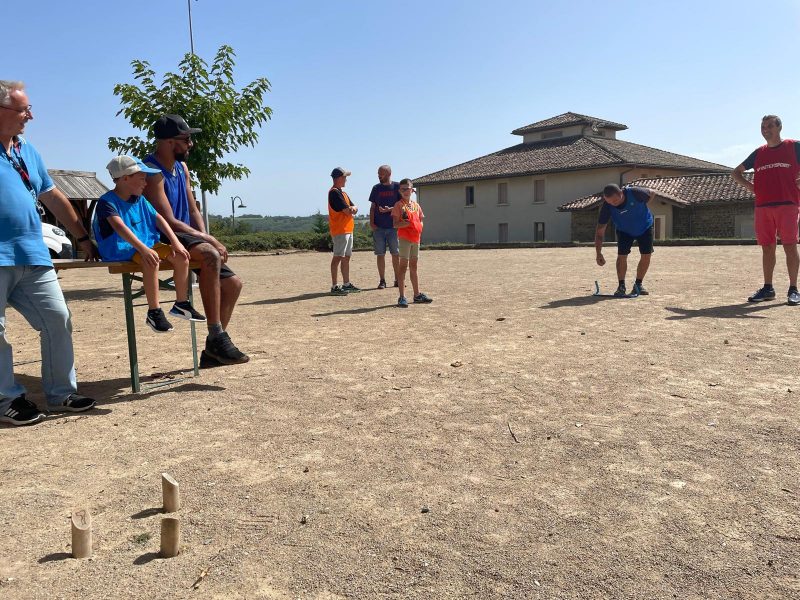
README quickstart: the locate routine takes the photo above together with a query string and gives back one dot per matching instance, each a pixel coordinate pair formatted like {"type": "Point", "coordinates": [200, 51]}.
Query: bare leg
{"type": "Point", "coordinates": [229, 290]}
{"type": "Point", "coordinates": [381, 266]}
{"type": "Point", "coordinates": [644, 264]}
{"type": "Point", "coordinates": [396, 265]}
{"type": "Point", "coordinates": [335, 269]}
{"type": "Point", "coordinates": [345, 264]}
{"type": "Point", "coordinates": [210, 263]}
{"type": "Point", "coordinates": [150, 281]}
{"type": "Point", "coordinates": [401, 280]}
{"type": "Point", "coordinates": [414, 281]}
{"type": "Point", "coordinates": [622, 266]}
{"type": "Point", "coordinates": [792, 262]}
{"type": "Point", "coordinates": [768, 262]}
{"type": "Point", "coordinates": [180, 275]}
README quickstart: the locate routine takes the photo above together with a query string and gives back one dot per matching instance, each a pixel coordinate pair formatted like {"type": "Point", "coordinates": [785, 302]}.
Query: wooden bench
{"type": "Point", "coordinates": [129, 271]}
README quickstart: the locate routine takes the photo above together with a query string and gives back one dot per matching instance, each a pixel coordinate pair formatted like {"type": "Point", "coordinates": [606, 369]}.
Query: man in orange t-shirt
{"type": "Point", "coordinates": [340, 220]}
{"type": "Point", "coordinates": [407, 217]}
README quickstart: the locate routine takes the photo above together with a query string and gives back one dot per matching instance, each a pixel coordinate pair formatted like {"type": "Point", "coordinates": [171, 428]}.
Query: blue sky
{"type": "Point", "coordinates": [419, 85]}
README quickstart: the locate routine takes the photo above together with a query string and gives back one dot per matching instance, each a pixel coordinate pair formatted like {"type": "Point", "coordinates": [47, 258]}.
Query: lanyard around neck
{"type": "Point", "coordinates": [18, 163]}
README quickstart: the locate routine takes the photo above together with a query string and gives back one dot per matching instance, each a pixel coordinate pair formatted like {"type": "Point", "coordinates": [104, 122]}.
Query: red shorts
{"type": "Point", "coordinates": [781, 219]}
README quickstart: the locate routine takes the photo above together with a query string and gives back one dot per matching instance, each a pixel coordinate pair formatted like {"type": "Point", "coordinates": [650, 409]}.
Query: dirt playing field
{"type": "Point", "coordinates": [517, 438]}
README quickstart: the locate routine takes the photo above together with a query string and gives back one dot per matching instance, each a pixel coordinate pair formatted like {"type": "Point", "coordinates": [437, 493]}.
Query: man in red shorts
{"type": "Point", "coordinates": [775, 184]}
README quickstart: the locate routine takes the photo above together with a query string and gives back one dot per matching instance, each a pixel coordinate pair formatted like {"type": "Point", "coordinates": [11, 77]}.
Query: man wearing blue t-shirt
{"type": "Point", "coordinates": [627, 208]}
{"type": "Point", "coordinates": [382, 198]}
{"type": "Point", "coordinates": [28, 281]}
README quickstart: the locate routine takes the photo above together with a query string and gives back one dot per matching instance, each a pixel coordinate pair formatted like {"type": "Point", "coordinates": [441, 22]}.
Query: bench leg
{"type": "Point", "coordinates": [194, 333]}
{"type": "Point", "coordinates": [131, 327]}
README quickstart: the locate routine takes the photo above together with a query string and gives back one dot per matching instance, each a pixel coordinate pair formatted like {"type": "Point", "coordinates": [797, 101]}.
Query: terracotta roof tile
{"type": "Point", "coordinates": [685, 190]}
{"type": "Point", "coordinates": [564, 154]}
{"type": "Point", "coordinates": [565, 120]}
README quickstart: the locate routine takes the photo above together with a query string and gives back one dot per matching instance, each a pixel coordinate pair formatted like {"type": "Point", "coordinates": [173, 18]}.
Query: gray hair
{"type": "Point", "coordinates": [6, 87]}
{"type": "Point", "coordinates": [775, 118]}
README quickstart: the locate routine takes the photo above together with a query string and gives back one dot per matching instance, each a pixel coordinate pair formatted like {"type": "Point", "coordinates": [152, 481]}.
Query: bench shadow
{"type": "Point", "coordinates": [299, 298]}
{"type": "Point", "coordinates": [93, 294]}
{"type": "Point", "coordinates": [579, 301]}
{"type": "Point", "coordinates": [728, 311]}
{"type": "Point", "coordinates": [112, 391]}
{"type": "Point", "coordinates": [354, 311]}
{"type": "Point", "coordinates": [54, 557]}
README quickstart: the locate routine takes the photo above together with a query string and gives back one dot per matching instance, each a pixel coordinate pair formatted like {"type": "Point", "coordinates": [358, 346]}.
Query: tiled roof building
{"type": "Point", "coordinates": [710, 205]}
{"type": "Point", "coordinates": [513, 195]}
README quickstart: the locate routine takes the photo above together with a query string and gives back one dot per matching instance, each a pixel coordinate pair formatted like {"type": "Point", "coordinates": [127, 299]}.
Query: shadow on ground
{"type": "Point", "coordinates": [354, 311]}
{"type": "Point", "coordinates": [299, 298]}
{"type": "Point", "coordinates": [580, 301]}
{"type": "Point", "coordinates": [729, 311]}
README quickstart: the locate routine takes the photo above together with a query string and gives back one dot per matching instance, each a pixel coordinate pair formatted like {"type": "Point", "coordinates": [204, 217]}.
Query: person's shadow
{"type": "Point", "coordinates": [580, 301]}
{"type": "Point", "coordinates": [286, 300]}
{"type": "Point", "coordinates": [728, 311]}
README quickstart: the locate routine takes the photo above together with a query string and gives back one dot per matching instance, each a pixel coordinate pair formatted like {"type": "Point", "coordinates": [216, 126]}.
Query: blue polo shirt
{"type": "Point", "coordinates": [21, 242]}
{"type": "Point", "coordinates": [632, 216]}
{"type": "Point", "coordinates": [138, 215]}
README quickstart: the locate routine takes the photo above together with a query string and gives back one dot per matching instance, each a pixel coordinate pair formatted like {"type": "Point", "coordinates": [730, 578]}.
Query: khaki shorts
{"type": "Point", "coordinates": [164, 250]}
{"type": "Point", "coordinates": [343, 244]}
{"type": "Point", "coordinates": [408, 249]}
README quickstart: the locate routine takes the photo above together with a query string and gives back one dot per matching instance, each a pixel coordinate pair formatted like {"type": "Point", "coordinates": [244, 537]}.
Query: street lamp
{"type": "Point", "coordinates": [233, 211]}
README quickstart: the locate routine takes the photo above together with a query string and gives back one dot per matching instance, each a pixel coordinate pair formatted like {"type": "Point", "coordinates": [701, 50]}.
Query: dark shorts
{"type": "Point", "coordinates": [625, 242]}
{"type": "Point", "coordinates": [188, 240]}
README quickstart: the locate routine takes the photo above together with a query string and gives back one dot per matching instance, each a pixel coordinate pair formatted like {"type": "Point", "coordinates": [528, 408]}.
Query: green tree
{"type": "Point", "coordinates": [206, 98]}
{"type": "Point", "coordinates": [320, 224]}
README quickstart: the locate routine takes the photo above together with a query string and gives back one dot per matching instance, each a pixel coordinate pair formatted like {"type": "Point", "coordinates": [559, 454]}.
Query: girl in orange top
{"type": "Point", "coordinates": [407, 217]}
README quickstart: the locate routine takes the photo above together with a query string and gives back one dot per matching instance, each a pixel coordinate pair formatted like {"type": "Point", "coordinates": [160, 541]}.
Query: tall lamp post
{"type": "Point", "coordinates": [233, 211]}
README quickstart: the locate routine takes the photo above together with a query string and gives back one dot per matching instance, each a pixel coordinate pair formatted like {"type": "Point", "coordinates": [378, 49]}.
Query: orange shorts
{"type": "Point", "coordinates": [164, 250]}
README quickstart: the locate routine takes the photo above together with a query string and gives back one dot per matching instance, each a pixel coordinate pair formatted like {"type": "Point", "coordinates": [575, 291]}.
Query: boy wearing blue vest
{"type": "Point", "coordinates": [627, 208]}
{"type": "Point", "coordinates": [126, 227]}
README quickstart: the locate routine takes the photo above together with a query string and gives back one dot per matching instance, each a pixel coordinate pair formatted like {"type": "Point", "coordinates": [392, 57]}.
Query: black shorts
{"type": "Point", "coordinates": [188, 240]}
{"type": "Point", "coordinates": [625, 241]}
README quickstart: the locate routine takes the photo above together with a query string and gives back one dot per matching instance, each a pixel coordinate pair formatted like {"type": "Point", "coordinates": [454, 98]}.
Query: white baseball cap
{"type": "Point", "coordinates": [127, 165]}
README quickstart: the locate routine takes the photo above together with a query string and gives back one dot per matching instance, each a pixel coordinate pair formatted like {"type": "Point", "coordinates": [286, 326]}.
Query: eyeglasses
{"type": "Point", "coordinates": [21, 111]}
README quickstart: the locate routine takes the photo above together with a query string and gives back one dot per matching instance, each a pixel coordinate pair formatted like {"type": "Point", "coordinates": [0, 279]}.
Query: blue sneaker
{"type": "Point", "coordinates": [638, 290]}
{"type": "Point", "coordinates": [793, 297]}
{"type": "Point", "coordinates": [762, 294]}
{"type": "Point", "coordinates": [402, 302]}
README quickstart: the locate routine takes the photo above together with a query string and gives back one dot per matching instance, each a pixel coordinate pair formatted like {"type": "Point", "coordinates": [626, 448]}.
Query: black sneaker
{"type": "Point", "coordinates": [75, 403]}
{"type": "Point", "coordinates": [382, 284]}
{"type": "Point", "coordinates": [337, 290]}
{"type": "Point", "coordinates": [221, 349]}
{"type": "Point", "coordinates": [422, 298]}
{"type": "Point", "coordinates": [184, 310]}
{"type": "Point", "coordinates": [793, 297]}
{"type": "Point", "coordinates": [350, 288]}
{"type": "Point", "coordinates": [21, 412]}
{"type": "Point", "coordinates": [207, 361]}
{"type": "Point", "coordinates": [638, 290]}
{"type": "Point", "coordinates": [157, 321]}
{"type": "Point", "coordinates": [621, 291]}
{"type": "Point", "coordinates": [762, 294]}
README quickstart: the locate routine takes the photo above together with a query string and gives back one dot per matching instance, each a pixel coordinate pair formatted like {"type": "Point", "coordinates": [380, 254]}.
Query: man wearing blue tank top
{"type": "Point", "coordinates": [170, 193]}
{"type": "Point", "coordinates": [627, 208]}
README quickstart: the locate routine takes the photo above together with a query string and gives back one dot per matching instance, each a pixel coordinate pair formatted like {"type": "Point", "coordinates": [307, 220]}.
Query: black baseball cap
{"type": "Point", "coordinates": [170, 126]}
{"type": "Point", "coordinates": [340, 172]}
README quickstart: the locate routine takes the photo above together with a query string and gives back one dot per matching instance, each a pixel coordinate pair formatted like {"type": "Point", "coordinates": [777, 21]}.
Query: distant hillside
{"type": "Point", "coordinates": [259, 223]}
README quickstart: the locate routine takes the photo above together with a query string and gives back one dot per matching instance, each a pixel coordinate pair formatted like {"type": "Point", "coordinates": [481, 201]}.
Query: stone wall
{"type": "Point", "coordinates": [710, 221]}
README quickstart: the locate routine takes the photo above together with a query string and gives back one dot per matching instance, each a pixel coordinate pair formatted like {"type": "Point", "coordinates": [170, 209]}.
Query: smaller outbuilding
{"type": "Point", "coordinates": [710, 205]}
